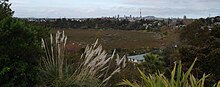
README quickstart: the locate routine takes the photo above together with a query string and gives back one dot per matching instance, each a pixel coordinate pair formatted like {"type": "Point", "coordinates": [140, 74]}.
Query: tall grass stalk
{"type": "Point", "coordinates": [178, 79]}
{"type": "Point", "coordinates": [93, 70]}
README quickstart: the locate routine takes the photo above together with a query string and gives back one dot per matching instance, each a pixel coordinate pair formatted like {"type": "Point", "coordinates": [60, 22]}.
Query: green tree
{"type": "Point", "coordinates": [211, 65]}
{"type": "Point", "coordinates": [5, 10]}
{"type": "Point", "coordinates": [153, 63]}
{"type": "Point", "coordinates": [198, 41]}
{"type": "Point", "coordinates": [20, 50]}
{"type": "Point", "coordinates": [194, 34]}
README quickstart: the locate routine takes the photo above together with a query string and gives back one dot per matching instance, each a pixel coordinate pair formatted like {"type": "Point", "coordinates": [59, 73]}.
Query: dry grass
{"type": "Point", "coordinates": [117, 38]}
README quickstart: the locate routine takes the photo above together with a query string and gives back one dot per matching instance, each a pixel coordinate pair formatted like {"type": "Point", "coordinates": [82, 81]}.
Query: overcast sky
{"type": "Point", "coordinates": [99, 8]}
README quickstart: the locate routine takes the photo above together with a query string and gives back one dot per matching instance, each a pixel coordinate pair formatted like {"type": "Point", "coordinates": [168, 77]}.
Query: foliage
{"type": "Point", "coordinates": [178, 79]}
{"type": "Point", "coordinates": [20, 50]}
{"type": "Point", "coordinates": [201, 40]}
{"type": "Point", "coordinates": [216, 31]}
{"type": "Point", "coordinates": [5, 10]}
{"type": "Point", "coordinates": [193, 34]}
{"type": "Point", "coordinates": [166, 53]}
{"type": "Point", "coordinates": [93, 70]}
{"type": "Point", "coordinates": [153, 63]}
{"type": "Point", "coordinates": [211, 65]}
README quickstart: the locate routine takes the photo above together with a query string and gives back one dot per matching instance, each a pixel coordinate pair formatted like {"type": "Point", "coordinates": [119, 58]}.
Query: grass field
{"type": "Point", "coordinates": [110, 39]}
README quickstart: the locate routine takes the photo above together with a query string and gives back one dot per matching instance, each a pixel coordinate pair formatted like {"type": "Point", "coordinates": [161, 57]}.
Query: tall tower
{"type": "Point", "coordinates": [118, 16]}
{"type": "Point", "coordinates": [184, 17]}
{"type": "Point", "coordinates": [140, 14]}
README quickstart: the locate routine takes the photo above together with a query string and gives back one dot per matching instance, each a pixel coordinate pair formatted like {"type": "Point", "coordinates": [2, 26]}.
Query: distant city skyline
{"type": "Point", "coordinates": [106, 8]}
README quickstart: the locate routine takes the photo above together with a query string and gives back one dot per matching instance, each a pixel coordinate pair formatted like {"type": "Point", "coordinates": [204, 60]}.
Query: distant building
{"type": "Point", "coordinates": [140, 14]}
{"type": "Point", "coordinates": [149, 18]}
{"type": "Point", "coordinates": [217, 20]}
{"type": "Point", "coordinates": [146, 25]}
{"type": "Point", "coordinates": [137, 58]}
{"type": "Point", "coordinates": [184, 17]}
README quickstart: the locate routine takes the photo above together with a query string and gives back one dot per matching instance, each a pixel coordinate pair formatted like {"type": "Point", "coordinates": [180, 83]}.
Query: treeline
{"type": "Point", "coordinates": [98, 23]}
{"type": "Point", "coordinates": [201, 39]}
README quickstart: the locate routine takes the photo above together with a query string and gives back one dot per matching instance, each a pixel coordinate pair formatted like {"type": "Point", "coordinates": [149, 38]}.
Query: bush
{"type": "Point", "coordinates": [19, 53]}
{"type": "Point", "coordinates": [198, 41]}
{"type": "Point", "coordinates": [153, 63]}
{"type": "Point", "coordinates": [5, 10]}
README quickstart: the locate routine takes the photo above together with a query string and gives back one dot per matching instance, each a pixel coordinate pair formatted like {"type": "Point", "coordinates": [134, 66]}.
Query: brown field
{"type": "Point", "coordinates": [127, 39]}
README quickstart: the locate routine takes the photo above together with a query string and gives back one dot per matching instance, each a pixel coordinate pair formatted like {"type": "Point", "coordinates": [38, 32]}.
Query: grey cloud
{"type": "Point", "coordinates": [174, 3]}
{"type": "Point", "coordinates": [99, 12]}
{"type": "Point", "coordinates": [159, 8]}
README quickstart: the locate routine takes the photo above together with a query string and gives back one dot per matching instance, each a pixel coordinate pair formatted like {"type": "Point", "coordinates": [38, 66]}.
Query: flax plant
{"type": "Point", "coordinates": [93, 71]}
{"type": "Point", "coordinates": [178, 79]}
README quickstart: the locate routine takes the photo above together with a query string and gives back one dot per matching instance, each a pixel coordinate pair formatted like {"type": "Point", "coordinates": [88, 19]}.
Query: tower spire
{"type": "Point", "coordinates": [140, 14]}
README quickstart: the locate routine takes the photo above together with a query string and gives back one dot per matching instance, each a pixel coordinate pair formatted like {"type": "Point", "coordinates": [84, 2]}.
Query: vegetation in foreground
{"type": "Point", "coordinates": [21, 57]}
{"type": "Point", "coordinates": [19, 50]}
{"type": "Point", "coordinates": [93, 68]}
{"type": "Point", "coordinates": [178, 79]}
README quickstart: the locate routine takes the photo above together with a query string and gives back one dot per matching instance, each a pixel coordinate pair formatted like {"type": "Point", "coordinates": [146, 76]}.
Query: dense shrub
{"type": "Point", "coordinates": [19, 53]}
{"type": "Point", "coordinates": [153, 63]}
{"type": "Point", "coordinates": [5, 10]}
{"type": "Point", "coordinates": [201, 41]}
